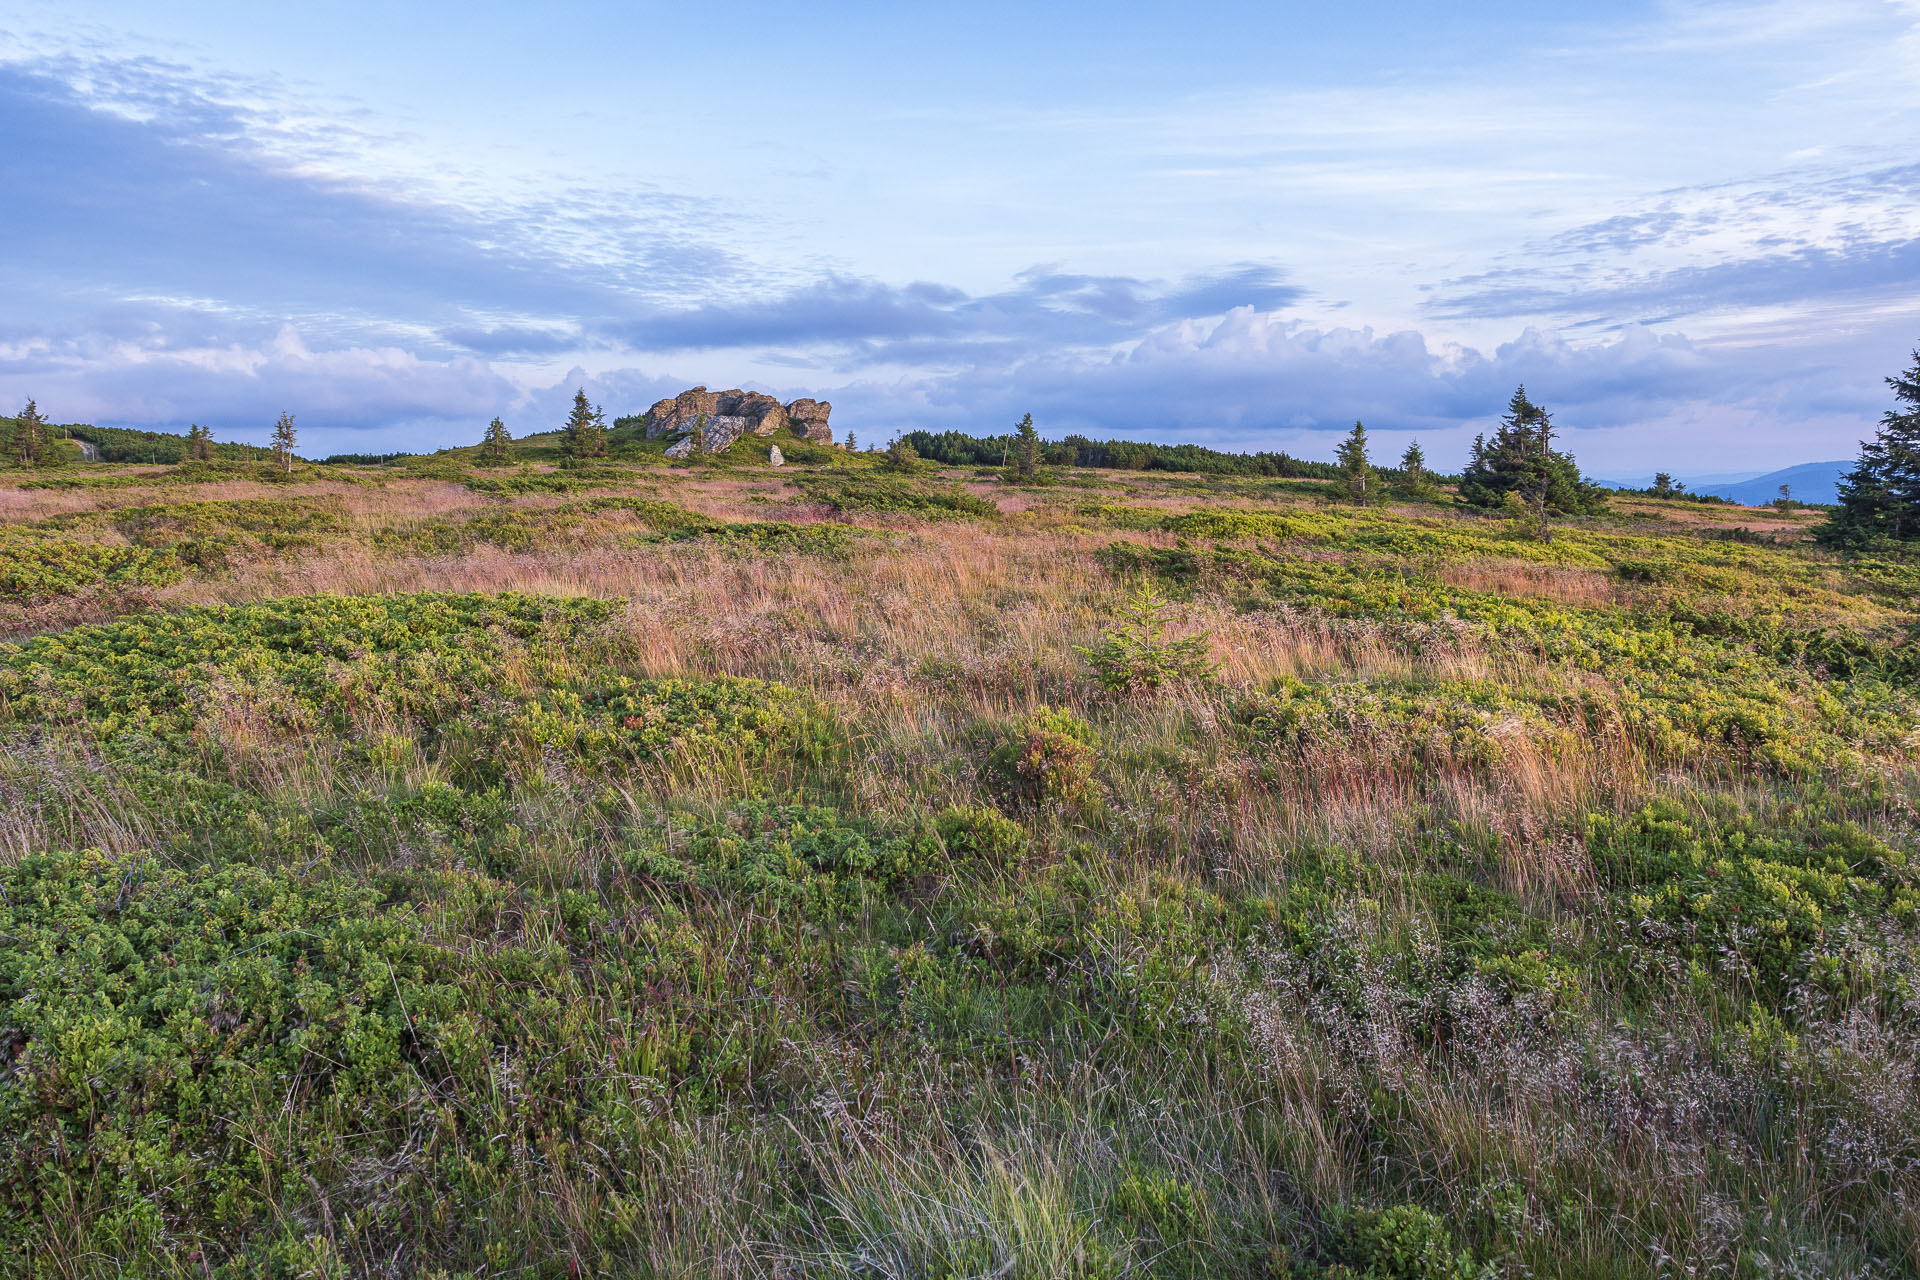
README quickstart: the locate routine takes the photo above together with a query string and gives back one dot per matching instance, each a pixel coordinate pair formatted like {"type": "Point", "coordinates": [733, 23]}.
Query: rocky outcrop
{"type": "Point", "coordinates": [711, 434]}
{"type": "Point", "coordinates": [698, 410]}
{"type": "Point", "coordinates": [809, 419]}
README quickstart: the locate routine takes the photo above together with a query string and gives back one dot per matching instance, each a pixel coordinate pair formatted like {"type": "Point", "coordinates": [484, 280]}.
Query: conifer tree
{"type": "Point", "coordinates": [1880, 496]}
{"type": "Point", "coordinates": [30, 436]}
{"type": "Point", "coordinates": [495, 445]}
{"type": "Point", "coordinates": [900, 456]}
{"type": "Point", "coordinates": [1415, 480]}
{"type": "Point", "coordinates": [1356, 469]}
{"type": "Point", "coordinates": [283, 438]}
{"type": "Point", "coordinates": [1026, 448]}
{"type": "Point", "coordinates": [1521, 461]}
{"type": "Point", "coordinates": [586, 431]}
{"type": "Point", "coordinates": [199, 443]}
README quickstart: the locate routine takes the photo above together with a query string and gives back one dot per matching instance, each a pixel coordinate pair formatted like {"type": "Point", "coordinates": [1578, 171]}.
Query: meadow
{"type": "Point", "coordinates": [638, 869]}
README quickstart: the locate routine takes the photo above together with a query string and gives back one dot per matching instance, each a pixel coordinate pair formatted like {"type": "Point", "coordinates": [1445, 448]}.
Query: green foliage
{"type": "Point", "coordinates": [700, 723]}
{"type": "Point", "coordinates": [1357, 478]}
{"type": "Point", "coordinates": [496, 446]}
{"type": "Point", "coordinates": [161, 543]}
{"type": "Point", "coordinates": [1404, 1242]}
{"type": "Point", "coordinates": [585, 435]}
{"type": "Point", "coordinates": [1521, 461]}
{"type": "Point", "coordinates": [1771, 907]}
{"type": "Point", "coordinates": [1880, 496]}
{"type": "Point", "coordinates": [1049, 755]}
{"type": "Point", "coordinates": [900, 457]}
{"type": "Point", "coordinates": [1567, 888]}
{"type": "Point", "coordinates": [959, 449]}
{"type": "Point", "coordinates": [41, 568]}
{"type": "Point", "coordinates": [1235, 525]}
{"type": "Point", "coordinates": [1138, 657]}
{"type": "Point", "coordinates": [1026, 448]}
{"type": "Point", "coordinates": [981, 834]}
{"type": "Point", "coordinates": [1155, 1203]}
{"type": "Point", "coordinates": [284, 438]}
{"type": "Point", "coordinates": [890, 495]}
{"type": "Point", "coordinates": [572, 480]}
{"type": "Point", "coordinates": [31, 444]}
{"type": "Point", "coordinates": [124, 444]}
{"type": "Point", "coordinates": [1415, 482]}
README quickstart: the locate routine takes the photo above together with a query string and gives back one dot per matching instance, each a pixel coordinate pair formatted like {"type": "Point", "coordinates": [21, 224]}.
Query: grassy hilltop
{"type": "Point", "coordinates": [691, 870]}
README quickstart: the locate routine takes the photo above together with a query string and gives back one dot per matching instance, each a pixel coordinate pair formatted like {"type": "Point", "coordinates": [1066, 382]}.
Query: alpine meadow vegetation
{"type": "Point", "coordinates": [548, 858]}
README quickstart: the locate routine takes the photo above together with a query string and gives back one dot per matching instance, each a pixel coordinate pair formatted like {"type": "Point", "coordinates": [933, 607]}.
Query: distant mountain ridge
{"type": "Point", "coordinates": [1808, 482]}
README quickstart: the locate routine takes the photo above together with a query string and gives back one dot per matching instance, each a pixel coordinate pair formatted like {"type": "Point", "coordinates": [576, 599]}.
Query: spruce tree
{"type": "Point", "coordinates": [30, 436]}
{"type": "Point", "coordinates": [1520, 460]}
{"type": "Point", "coordinates": [1356, 469]}
{"type": "Point", "coordinates": [199, 443]}
{"type": "Point", "coordinates": [283, 438]}
{"type": "Point", "coordinates": [495, 445]}
{"type": "Point", "coordinates": [1026, 448]}
{"type": "Point", "coordinates": [1415, 480]}
{"type": "Point", "coordinates": [586, 431]}
{"type": "Point", "coordinates": [900, 456]}
{"type": "Point", "coordinates": [1880, 496]}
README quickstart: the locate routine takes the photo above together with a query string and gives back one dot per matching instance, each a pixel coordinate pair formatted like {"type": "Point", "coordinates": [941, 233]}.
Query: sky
{"type": "Point", "coordinates": [1691, 229]}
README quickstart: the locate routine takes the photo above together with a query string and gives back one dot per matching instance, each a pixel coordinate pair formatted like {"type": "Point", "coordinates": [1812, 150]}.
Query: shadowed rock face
{"type": "Point", "coordinates": [759, 413]}
{"type": "Point", "coordinates": [809, 418]}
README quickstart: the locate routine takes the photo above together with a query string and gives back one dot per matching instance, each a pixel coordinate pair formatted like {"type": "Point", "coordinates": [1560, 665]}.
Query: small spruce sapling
{"type": "Point", "coordinates": [900, 456]}
{"type": "Point", "coordinates": [283, 441]}
{"type": "Point", "coordinates": [1026, 448]}
{"type": "Point", "coordinates": [1358, 481]}
{"type": "Point", "coordinates": [495, 445]}
{"type": "Point", "coordinates": [586, 430]}
{"type": "Point", "coordinates": [1137, 656]}
{"type": "Point", "coordinates": [1416, 481]}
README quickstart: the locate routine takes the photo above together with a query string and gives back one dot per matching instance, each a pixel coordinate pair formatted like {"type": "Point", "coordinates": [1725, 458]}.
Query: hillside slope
{"type": "Point", "coordinates": [713, 870]}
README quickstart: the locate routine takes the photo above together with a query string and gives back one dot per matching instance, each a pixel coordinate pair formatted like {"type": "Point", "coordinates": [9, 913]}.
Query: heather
{"type": "Point", "coordinates": [705, 869]}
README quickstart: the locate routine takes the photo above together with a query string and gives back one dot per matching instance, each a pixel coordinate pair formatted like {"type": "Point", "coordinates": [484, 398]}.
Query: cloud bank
{"type": "Point", "coordinates": [185, 248]}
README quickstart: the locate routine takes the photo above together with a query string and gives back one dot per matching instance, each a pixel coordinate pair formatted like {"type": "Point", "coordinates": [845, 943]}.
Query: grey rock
{"type": "Point", "coordinates": [683, 448]}
{"type": "Point", "coordinates": [720, 431]}
{"type": "Point", "coordinates": [808, 418]}
{"type": "Point", "coordinates": [775, 458]}
{"type": "Point", "coordinates": [696, 409]}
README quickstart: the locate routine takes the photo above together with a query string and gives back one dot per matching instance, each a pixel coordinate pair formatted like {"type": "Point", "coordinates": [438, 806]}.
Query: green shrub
{"type": "Point", "coordinates": [1049, 755]}
{"type": "Point", "coordinates": [976, 833]}
{"type": "Point", "coordinates": [1404, 1242]}
{"type": "Point", "coordinates": [1138, 657]}
{"type": "Point", "coordinates": [870, 492]}
{"type": "Point", "coordinates": [1768, 906]}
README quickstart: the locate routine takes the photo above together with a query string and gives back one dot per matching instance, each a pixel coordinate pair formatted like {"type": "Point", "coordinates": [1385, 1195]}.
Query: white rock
{"type": "Point", "coordinates": [775, 458]}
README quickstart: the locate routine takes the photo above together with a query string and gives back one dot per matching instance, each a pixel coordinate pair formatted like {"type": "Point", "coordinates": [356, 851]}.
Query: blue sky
{"type": "Point", "coordinates": [1690, 228]}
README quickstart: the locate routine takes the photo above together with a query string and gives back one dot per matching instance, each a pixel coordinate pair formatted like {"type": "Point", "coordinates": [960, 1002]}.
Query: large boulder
{"type": "Point", "coordinates": [720, 431]}
{"type": "Point", "coordinates": [764, 414]}
{"type": "Point", "coordinates": [809, 418]}
{"type": "Point", "coordinates": [670, 417]}
{"type": "Point", "coordinates": [775, 458]}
